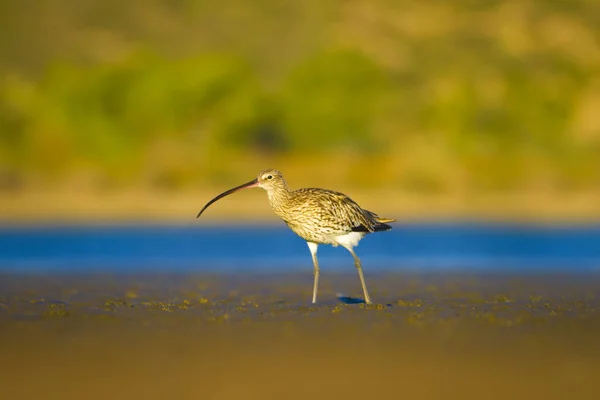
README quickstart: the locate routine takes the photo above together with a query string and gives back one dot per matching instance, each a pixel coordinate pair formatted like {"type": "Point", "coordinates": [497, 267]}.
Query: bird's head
{"type": "Point", "coordinates": [269, 179]}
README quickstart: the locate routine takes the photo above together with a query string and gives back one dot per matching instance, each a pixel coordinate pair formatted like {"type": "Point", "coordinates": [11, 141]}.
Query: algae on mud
{"type": "Point", "coordinates": [216, 336]}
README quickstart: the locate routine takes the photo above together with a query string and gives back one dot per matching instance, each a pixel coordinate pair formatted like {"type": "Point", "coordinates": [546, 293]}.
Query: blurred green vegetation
{"type": "Point", "coordinates": [426, 96]}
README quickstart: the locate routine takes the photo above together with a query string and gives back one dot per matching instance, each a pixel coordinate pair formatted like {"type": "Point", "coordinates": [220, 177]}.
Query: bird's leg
{"type": "Point", "coordinates": [360, 275]}
{"type": "Point", "coordinates": [313, 251]}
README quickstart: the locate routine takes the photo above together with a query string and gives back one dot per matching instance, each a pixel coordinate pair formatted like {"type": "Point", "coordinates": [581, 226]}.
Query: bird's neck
{"type": "Point", "coordinates": [278, 197]}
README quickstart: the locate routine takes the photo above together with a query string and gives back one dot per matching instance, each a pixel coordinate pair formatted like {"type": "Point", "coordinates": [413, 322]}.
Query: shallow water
{"type": "Point", "coordinates": [421, 247]}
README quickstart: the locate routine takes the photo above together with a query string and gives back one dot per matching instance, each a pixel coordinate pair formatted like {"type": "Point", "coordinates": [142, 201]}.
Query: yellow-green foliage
{"type": "Point", "coordinates": [484, 94]}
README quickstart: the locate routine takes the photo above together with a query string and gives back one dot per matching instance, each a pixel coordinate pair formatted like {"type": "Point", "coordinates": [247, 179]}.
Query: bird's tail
{"type": "Point", "coordinates": [381, 227]}
{"type": "Point", "coordinates": [382, 224]}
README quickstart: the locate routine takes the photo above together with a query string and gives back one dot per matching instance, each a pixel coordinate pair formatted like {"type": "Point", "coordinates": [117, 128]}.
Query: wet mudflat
{"type": "Point", "coordinates": [256, 336]}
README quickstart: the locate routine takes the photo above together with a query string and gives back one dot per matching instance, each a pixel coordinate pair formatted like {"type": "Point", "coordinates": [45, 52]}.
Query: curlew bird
{"type": "Point", "coordinates": [318, 216]}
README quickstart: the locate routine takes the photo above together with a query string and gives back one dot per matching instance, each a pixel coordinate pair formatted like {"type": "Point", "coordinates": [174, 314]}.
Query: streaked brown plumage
{"type": "Point", "coordinates": [319, 216]}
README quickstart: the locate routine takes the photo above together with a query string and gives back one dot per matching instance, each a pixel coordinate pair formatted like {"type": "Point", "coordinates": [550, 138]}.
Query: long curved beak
{"type": "Point", "coordinates": [252, 183]}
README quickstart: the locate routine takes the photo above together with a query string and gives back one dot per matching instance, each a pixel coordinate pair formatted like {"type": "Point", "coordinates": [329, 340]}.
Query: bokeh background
{"type": "Point", "coordinates": [442, 114]}
{"type": "Point", "coordinates": [146, 109]}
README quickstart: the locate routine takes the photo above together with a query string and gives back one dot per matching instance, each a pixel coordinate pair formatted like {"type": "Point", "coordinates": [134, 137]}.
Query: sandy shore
{"type": "Point", "coordinates": [257, 337]}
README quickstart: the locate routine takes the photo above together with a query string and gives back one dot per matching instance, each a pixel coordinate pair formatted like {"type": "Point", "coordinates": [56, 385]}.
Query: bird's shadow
{"type": "Point", "coordinates": [355, 300]}
{"type": "Point", "coordinates": [350, 300]}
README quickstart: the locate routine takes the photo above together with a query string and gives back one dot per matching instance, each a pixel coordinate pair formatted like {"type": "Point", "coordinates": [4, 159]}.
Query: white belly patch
{"type": "Point", "coordinates": [349, 240]}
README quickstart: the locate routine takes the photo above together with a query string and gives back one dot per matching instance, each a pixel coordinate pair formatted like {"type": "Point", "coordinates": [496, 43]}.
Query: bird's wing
{"type": "Point", "coordinates": [336, 210]}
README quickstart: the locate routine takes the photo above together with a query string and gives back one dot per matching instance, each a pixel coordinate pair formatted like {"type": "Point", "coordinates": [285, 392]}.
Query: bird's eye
{"type": "Point", "coordinates": [269, 176]}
